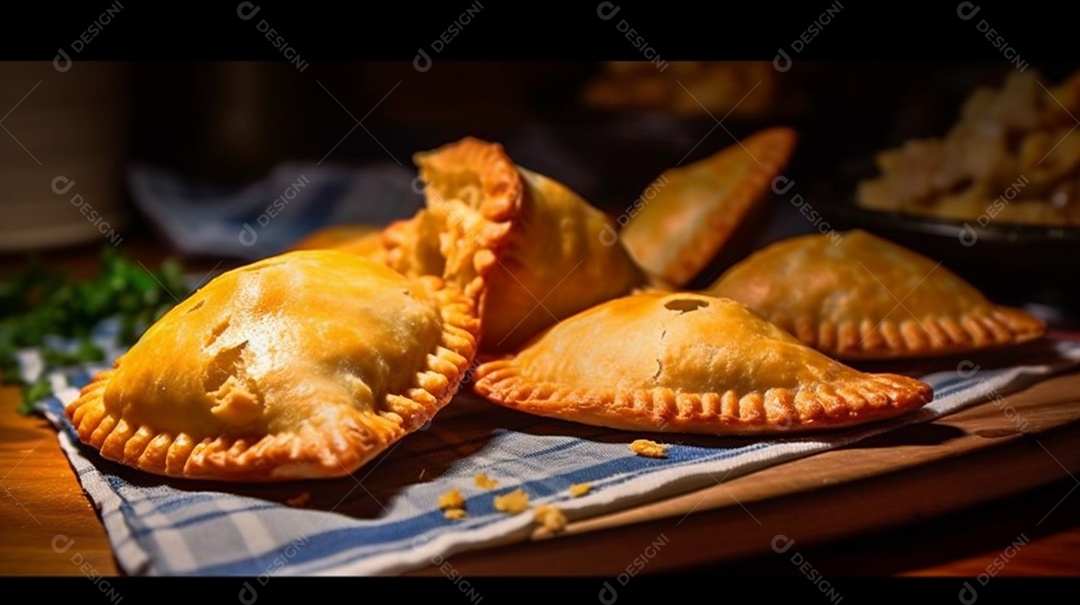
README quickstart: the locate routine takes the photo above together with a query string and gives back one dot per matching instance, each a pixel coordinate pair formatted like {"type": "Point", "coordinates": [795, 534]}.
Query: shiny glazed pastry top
{"type": "Point", "coordinates": [302, 365]}
{"type": "Point", "coordinates": [682, 362]}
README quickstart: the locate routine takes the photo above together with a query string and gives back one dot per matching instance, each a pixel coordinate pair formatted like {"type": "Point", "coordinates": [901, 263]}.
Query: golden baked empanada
{"type": "Point", "coordinates": [362, 240]}
{"type": "Point", "coordinates": [686, 215]}
{"type": "Point", "coordinates": [302, 365]}
{"type": "Point", "coordinates": [549, 260]}
{"type": "Point", "coordinates": [688, 363]}
{"type": "Point", "coordinates": [858, 296]}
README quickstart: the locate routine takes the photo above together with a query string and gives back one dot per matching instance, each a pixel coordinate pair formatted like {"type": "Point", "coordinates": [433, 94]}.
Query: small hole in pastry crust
{"type": "Point", "coordinates": [721, 370]}
{"type": "Point", "coordinates": [303, 366]}
{"type": "Point", "coordinates": [685, 305]}
{"type": "Point", "coordinates": [217, 332]}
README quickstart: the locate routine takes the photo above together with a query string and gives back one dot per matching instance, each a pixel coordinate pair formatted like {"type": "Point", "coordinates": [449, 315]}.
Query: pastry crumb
{"type": "Point", "coordinates": [451, 499]}
{"type": "Point", "coordinates": [550, 518]}
{"type": "Point", "coordinates": [513, 503]}
{"type": "Point", "coordinates": [485, 482]}
{"type": "Point", "coordinates": [649, 449]}
{"type": "Point", "coordinates": [578, 490]}
{"type": "Point", "coordinates": [299, 501]}
{"type": "Point", "coordinates": [455, 514]}
{"type": "Point", "coordinates": [422, 471]}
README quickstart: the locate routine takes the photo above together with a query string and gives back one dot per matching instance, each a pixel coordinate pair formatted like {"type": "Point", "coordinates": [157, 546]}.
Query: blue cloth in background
{"type": "Point", "coordinates": [269, 215]}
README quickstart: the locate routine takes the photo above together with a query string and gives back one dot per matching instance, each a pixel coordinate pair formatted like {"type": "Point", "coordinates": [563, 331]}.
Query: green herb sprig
{"type": "Point", "coordinates": [39, 302]}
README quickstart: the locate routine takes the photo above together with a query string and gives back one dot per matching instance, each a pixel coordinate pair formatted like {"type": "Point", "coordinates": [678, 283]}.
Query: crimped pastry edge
{"type": "Point", "coordinates": [288, 456]}
{"type": "Point", "coordinates": [693, 255]}
{"type": "Point", "coordinates": [984, 328]}
{"type": "Point", "coordinates": [776, 411]}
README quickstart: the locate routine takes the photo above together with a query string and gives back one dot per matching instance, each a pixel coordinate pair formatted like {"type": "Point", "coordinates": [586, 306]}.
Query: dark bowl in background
{"type": "Point", "coordinates": [1037, 267]}
{"type": "Point", "coordinates": [610, 156]}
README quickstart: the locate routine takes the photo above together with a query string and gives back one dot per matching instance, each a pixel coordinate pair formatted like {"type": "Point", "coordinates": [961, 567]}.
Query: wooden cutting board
{"type": "Point", "coordinates": [910, 474]}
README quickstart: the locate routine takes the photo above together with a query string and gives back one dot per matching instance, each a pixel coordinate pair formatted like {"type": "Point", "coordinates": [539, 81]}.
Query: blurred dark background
{"type": "Point", "coordinates": [232, 122]}
{"type": "Point", "coordinates": [236, 120]}
{"type": "Point", "coordinates": [606, 130]}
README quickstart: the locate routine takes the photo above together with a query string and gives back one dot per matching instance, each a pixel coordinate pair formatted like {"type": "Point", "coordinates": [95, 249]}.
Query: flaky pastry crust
{"type": "Point", "coordinates": [303, 365]}
{"type": "Point", "coordinates": [857, 296]}
{"type": "Point", "coordinates": [687, 214]}
{"type": "Point", "coordinates": [542, 255]}
{"type": "Point", "coordinates": [689, 363]}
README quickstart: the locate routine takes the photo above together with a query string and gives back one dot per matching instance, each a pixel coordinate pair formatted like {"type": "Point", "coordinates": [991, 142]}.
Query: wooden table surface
{"type": "Point", "coordinates": [955, 497]}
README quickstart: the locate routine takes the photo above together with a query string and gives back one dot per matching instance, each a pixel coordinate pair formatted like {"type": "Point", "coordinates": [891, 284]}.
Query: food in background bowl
{"type": "Point", "coordinates": [690, 88]}
{"type": "Point", "coordinates": [1011, 159]}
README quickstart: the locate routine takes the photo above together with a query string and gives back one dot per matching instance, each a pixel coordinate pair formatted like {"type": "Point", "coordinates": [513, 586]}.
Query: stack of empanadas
{"type": "Point", "coordinates": [310, 363]}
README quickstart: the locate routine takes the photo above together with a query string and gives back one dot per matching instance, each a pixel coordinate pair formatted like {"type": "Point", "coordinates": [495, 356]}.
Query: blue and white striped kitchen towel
{"type": "Point", "coordinates": [385, 518]}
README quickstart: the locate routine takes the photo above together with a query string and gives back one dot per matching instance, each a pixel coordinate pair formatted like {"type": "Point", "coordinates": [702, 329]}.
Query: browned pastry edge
{"type": "Point", "coordinates": [775, 411]}
{"type": "Point", "coordinates": [500, 205]}
{"type": "Point", "coordinates": [775, 146]}
{"type": "Point", "coordinates": [288, 456]}
{"type": "Point", "coordinates": [908, 337]}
